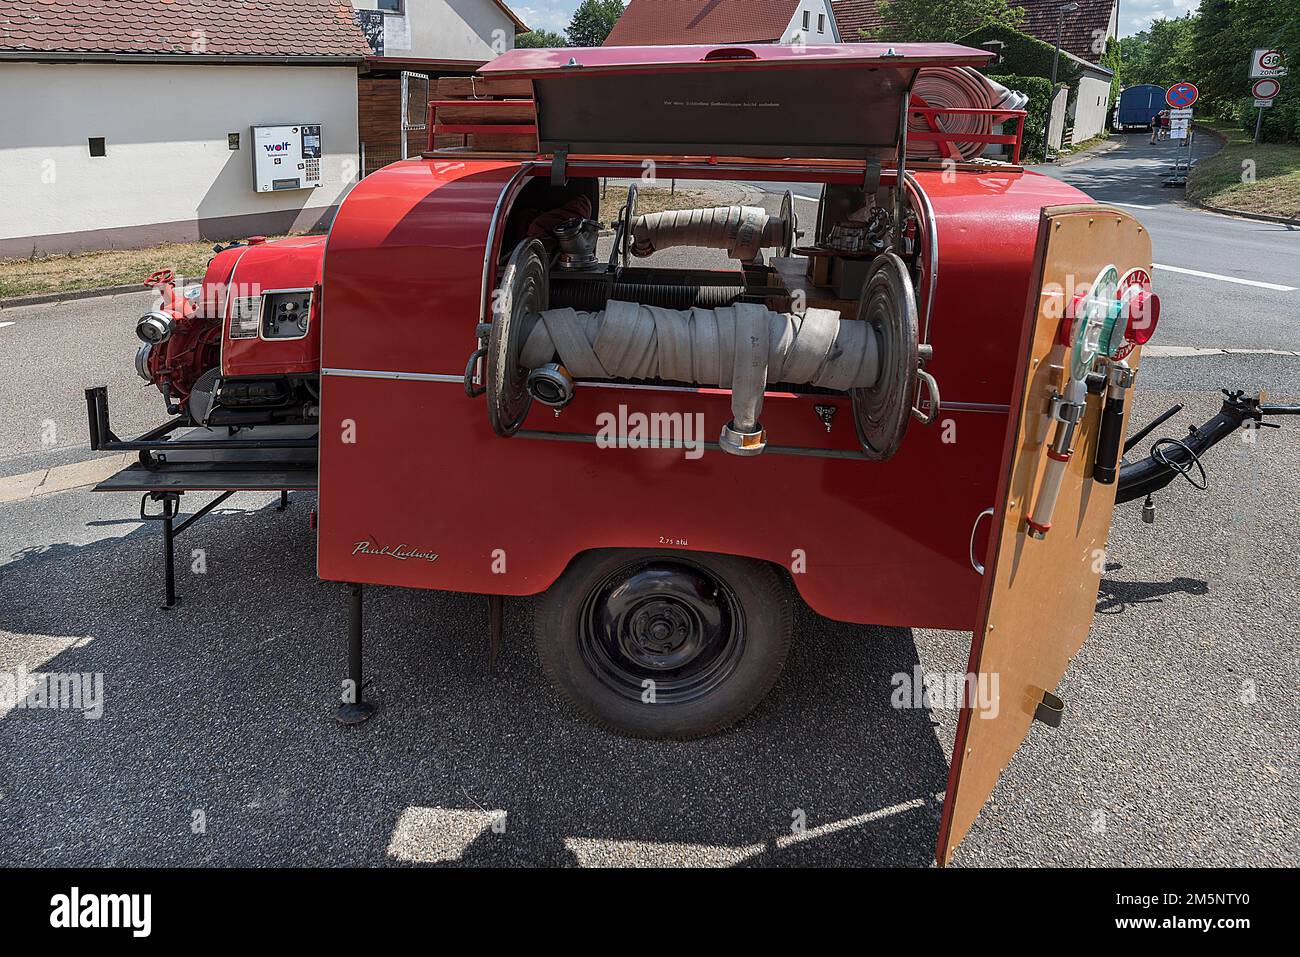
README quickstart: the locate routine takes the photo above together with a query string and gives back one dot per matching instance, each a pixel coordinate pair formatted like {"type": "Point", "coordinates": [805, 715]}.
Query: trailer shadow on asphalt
{"type": "Point", "coordinates": [219, 713]}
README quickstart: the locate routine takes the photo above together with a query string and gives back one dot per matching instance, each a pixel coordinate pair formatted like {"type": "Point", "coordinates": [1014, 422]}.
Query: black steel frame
{"type": "Point", "coordinates": [104, 439]}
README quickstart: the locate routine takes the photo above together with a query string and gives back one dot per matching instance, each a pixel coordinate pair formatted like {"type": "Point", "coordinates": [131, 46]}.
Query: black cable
{"type": "Point", "coordinates": [1182, 468]}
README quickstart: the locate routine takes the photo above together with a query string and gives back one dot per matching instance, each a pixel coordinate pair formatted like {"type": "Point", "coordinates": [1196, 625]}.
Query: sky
{"type": "Point", "coordinates": [1134, 15]}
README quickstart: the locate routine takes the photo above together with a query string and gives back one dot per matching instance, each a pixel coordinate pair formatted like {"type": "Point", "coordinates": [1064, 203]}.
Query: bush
{"type": "Point", "coordinates": [1039, 90]}
{"type": "Point", "coordinates": [1023, 55]}
{"type": "Point", "coordinates": [1281, 120]}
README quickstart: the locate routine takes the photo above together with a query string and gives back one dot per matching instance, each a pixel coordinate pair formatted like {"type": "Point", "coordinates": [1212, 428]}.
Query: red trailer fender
{"type": "Point", "coordinates": [1039, 594]}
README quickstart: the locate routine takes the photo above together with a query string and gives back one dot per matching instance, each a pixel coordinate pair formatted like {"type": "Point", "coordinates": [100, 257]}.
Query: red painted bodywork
{"type": "Point", "coordinates": [292, 263]}
{"type": "Point", "coordinates": [884, 543]}
{"type": "Point", "coordinates": [648, 60]}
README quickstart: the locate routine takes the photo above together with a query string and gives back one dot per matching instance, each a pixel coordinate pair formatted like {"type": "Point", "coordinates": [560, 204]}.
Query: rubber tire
{"type": "Point", "coordinates": [765, 600]}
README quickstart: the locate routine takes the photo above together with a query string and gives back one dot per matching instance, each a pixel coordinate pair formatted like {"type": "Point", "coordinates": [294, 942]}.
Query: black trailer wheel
{"type": "Point", "coordinates": [664, 644]}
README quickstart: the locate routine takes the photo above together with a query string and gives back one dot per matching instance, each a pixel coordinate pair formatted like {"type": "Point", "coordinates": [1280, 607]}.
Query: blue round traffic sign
{"type": "Point", "coordinates": [1182, 95]}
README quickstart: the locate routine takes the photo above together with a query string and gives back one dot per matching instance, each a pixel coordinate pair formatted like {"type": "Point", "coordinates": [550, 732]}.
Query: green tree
{"type": "Point", "coordinates": [592, 22]}
{"type": "Point", "coordinates": [1218, 66]}
{"type": "Point", "coordinates": [540, 38]}
{"type": "Point", "coordinates": [937, 21]}
{"type": "Point", "coordinates": [1164, 53]}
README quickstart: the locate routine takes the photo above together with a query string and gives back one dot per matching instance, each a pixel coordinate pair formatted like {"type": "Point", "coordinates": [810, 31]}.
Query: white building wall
{"type": "Point", "coordinates": [446, 29]}
{"type": "Point", "coordinates": [813, 8]}
{"type": "Point", "coordinates": [165, 129]}
{"type": "Point", "coordinates": [1090, 101]}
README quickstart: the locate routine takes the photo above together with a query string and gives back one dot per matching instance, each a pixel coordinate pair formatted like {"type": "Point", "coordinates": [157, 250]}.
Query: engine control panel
{"type": "Point", "coordinates": [286, 315]}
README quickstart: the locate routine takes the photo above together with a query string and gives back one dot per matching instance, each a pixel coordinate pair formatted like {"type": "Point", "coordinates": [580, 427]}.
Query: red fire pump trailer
{"type": "Point", "coordinates": [914, 419]}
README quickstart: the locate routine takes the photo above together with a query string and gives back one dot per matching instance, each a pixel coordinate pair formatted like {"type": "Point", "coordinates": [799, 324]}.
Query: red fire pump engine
{"type": "Point", "coordinates": [915, 418]}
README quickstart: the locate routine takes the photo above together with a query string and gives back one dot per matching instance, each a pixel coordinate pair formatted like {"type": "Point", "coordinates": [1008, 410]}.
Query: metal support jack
{"type": "Point", "coordinates": [353, 709]}
{"type": "Point", "coordinates": [496, 625]}
{"type": "Point", "coordinates": [171, 506]}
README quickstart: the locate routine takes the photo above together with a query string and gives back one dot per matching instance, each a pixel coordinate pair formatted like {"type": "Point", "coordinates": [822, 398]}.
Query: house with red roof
{"type": "Point", "coordinates": [130, 122]}
{"type": "Point", "coordinates": [654, 22]}
{"type": "Point", "coordinates": [1083, 32]}
{"type": "Point", "coordinates": [1079, 112]}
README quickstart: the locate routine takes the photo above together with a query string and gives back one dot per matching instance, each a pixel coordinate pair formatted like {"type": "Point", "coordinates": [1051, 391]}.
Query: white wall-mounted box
{"type": "Point", "coordinates": [286, 157]}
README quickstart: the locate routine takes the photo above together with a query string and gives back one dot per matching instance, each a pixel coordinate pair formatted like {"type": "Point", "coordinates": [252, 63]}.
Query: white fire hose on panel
{"type": "Point", "coordinates": [958, 88]}
{"type": "Point", "coordinates": [740, 347]}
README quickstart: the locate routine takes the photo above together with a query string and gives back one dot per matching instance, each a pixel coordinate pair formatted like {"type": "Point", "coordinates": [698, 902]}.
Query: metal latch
{"type": "Point", "coordinates": [1050, 710]}
{"type": "Point", "coordinates": [473, 386]}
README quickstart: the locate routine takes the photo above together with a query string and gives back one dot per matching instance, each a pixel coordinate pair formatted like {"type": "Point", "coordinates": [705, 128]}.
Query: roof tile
{"type": "Point", "coordinates": [281, 28]}
{"type": "Point", "coordinates": [654, 22]}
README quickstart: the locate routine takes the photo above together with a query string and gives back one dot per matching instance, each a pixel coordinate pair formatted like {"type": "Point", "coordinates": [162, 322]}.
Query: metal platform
{"type": "Point", "coordinates": [179, 456]}
{"type": "Point", "coordinates": [236, 468]}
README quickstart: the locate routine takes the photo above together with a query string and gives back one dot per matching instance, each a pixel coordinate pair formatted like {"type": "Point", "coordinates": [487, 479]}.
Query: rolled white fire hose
{"type": "Point", "coordinates": [958, 88]}
{"type": "Point", "coordinates": [740, 347]}
{"type": "Point", "coordinates": [743, 231]}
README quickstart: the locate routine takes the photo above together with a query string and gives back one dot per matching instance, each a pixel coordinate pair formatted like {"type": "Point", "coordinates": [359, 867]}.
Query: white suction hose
{"type": "Point", "coordinates": [740, 347]}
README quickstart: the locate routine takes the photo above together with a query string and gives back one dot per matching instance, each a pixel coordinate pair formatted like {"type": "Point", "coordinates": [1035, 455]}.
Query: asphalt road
{"type": "Point", "coordinates": [1198, 310]}
{"type": "Point", "coordinates": [50, 353]}
{"type": "Point", "coordinates": [1179, 745]}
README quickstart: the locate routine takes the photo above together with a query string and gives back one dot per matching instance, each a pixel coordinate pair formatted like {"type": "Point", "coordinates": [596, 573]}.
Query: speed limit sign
{"type": "Point", "coordinates": [1265, 63]}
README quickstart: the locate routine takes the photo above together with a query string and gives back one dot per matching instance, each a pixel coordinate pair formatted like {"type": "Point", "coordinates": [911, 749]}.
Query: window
{"type": "Point", "coordinates": [821, 23]}
{"type": "Point", "coordinates": [395, 7]}
{"type": "Point", "coordinates": [97, 146]}
{"type": "Point", "coordinates": [806, 17]}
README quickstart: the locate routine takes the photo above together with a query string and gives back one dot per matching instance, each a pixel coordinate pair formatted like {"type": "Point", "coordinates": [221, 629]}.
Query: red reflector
{"type": "Point", "coordinates": [1143, 316]}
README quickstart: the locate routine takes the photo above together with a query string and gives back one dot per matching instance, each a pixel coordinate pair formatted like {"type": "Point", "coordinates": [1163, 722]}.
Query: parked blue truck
{"type": "Point", "coordinates": [1138, 105]}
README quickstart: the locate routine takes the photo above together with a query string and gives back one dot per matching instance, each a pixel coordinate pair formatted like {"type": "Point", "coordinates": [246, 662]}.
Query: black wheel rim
{"type": "Point", "coordinates": [674, 623]}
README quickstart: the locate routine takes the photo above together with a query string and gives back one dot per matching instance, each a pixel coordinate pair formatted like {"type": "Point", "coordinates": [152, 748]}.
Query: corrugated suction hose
{"type": "Point", "coordinates": [743, 231]}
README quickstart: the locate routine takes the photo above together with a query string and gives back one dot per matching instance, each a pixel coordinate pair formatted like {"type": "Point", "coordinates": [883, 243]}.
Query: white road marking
{"type": "Point", "coordinates": [3, 324]}
{"type": "Point", "coordinates": [1214, 275]}
{"type": "Point", "coordinates": [1183, 352]}
{"type": "Point", "coordinates": [1111, 202]}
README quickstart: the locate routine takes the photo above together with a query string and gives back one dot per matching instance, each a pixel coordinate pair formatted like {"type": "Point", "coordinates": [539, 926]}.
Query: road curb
{"type": "Point", "coordinates": [61, 478]}
{"type": "Point", "coordinates": [75, 294]}
{"type": "Point", "coordinates": [1241, 214]}
{"type": "Point", "coordinates": [1108, 145]}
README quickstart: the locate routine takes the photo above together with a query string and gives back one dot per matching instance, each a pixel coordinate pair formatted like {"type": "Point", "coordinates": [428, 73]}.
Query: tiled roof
{"type": "Point", "coordinates": [653, 22]}
{"type": "Point", "coordinates": [280, 28]}
{"type": "Point", "coordinates": [854, 16]}
{"type": "Point", "coordinates": [1077, 36]}
{"type": "Point", "coordinates": [1079, 31]}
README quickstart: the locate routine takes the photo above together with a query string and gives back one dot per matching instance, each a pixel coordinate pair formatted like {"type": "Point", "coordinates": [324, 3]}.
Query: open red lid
{"type": "Point", "coordinates": [841, 101]}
